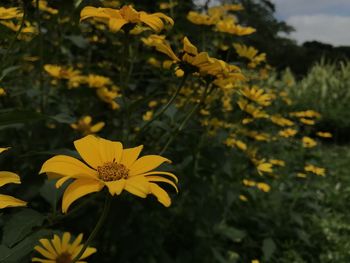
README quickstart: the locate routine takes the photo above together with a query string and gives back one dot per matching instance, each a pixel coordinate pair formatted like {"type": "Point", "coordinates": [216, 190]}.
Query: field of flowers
{"type": "Point", "coordinates": [155, 132]}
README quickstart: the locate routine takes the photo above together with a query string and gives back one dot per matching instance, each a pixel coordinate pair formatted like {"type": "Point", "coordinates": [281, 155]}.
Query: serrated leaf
{"type": "Point", "coordinates": [21, 224]}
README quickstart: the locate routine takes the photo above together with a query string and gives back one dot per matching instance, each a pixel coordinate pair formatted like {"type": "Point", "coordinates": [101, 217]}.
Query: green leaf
{"type": "Point", "coordinates": [50, 193]}
{"type": "Point", "coordinates": [268, 248]}
{"type": "Point", "coordinates": [21, 224]}
{"type": "Point", "coordinates": [18, 117]}
{"type": "Point", "coordinates": [230, 232]}
{"type": "Point", "coordinates": [22, 249]}
{"type": "Point", "coordinates": [7, 71]}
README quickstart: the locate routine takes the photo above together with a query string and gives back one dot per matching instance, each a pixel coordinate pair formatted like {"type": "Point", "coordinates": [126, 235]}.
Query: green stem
{"type": "Point", "coordinates": [184, 122]}
{"type": "Point", "coordinates": [97, 228]}
{"type": "Point", "coordinates": [16, 36]}
{"type": "Point", "coordinates": [167, 105]}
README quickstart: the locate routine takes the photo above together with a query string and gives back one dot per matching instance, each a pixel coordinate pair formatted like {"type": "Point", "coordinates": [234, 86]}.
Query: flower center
{"type": "Point", "coordinates": [112, 171]}
{"type": "Point", "coordinates": [64, 258]}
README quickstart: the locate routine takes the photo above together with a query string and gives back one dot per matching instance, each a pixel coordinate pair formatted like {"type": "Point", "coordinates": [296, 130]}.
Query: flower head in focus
{"type": "Point", "coordinates": [116, 19]}
{"type": "Point", "coordinates": [61, 249]}
{"type": "Point", "coordinates": [108, 164]}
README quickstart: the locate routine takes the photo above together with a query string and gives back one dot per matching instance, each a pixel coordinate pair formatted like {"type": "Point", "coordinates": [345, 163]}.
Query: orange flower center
{"type": "Point", "coordinates": [64, 258]}
{"type": "Point", "coordinates": [112, 171]}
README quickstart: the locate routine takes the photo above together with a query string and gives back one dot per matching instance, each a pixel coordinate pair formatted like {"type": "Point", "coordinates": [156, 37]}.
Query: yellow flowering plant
{"type": "Point", "coordinates": [177, 81]}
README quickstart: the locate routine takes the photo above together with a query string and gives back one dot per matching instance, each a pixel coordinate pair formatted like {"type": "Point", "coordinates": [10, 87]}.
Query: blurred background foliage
{"type": "Point", "coordinates": [215, 217]}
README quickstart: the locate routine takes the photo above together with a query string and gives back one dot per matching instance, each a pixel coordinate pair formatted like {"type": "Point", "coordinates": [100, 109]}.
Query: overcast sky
{"type": "Point", "coordinates": [327, 21]}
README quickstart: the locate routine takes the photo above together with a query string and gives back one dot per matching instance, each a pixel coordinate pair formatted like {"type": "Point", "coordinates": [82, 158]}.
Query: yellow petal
{"type": "Point", "coordinates": [163, 173]}
{"type": "Point", "coordinates": [44, 252]}
{"type": "Point", "coordinates": [146, 164]}
{"type": "Point", "coordinates": [97, 151]}
{"type": "Point", "coordinates": [89, 149]}
{"type": "Point", "coordinates": [56, 242]}
{"type": "Point", "coordinates": [165, 17]}
{"type": "Point", "coordinates": [161, 195]}
{"type": "Point", "coordinates": [152, 21]}
{"type": "Point", "coordinates": [9, 177]}
{"type": "Point", "coordinates": [130, 155]}
{"type": "Point", "coordinates": [115, 187]}
{"type": "Point", "coordinates": [65, 241]}
{"type": "Point", "coordinates": [116, 24]}
{"type": "Point", "coordinates": [9, 201]}
{"type": "Point", "coordinates": [90, 11]}
{"type": "Point", "coordinates": [88, 252]}
{"type": "Point", "coordinates": [67, 166]}
{"type": "Point", "coordinates": [138, 186]}
{"type": "Point", "coordinates": [47, 245]}
{"type": "Point", "coordinates": [161, 179]}
{"type": "Point", "coordinates": [110, 151]}
{"type": "Point", "coordinates": [73, 247]}
{"type": "Point", "coordinates": [4, 149]}
{"type": "Point", "coordinates": [97, 127]}
{"type": "Point", "coordinates": [42, 260]}
{"type": "Point", "coordinates": [61, 181]}
{"type": "Point", "coordinates": [189, 47]}
{"type": "Point", "coordinates": [77, 189]}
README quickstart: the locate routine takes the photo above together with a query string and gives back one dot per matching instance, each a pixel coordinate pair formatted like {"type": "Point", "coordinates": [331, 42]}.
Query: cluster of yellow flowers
{"type": "Point", "coordinates": [219, 17]}
{"type": "Point", "coordinates": [105, 89]}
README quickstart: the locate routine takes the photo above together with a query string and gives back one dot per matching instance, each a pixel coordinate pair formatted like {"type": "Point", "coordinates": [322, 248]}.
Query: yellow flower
{"type": "Point", "coordinates": [10, 13]}
{"type": "Point", "coordinates": [108, 165]}
{"type": "Point", "coordinates": [249, 108]}
{"type": "Point", "coordinates": [62, 250]}
{"type": "Point", "coordinates": [117, 18]}
{"type": "Point", "coordinates": [109, 96]}
{"type": "Point", "coordinates": [2, 92]}
{"type": "Point", "coordinates": [257, 95]}
{"type": "Point", "coordinates": [148, 115]}
{"type": "Point", "coordinates": [7, 178]}
{"type": "Point", "coordinates": [243, 198]}
{"type": "Point", "coordinates": [301, 175]}
{"type": "Point", "coordinates": [306, 114]}
{"type": "Point", "coordinates": [84, 126]}
{"type": "Point", "coordinates": [324, 134]}
{"type": "Point", "coordinates": [307, 121]}
{"type": "Point", "coordinates": [263, 187]}
{"type": "Point", "coordinates": [60, 72]}
{"type": "Point", "coordinates": [228, 25]}
{"type": "Point", "coordinates": [202, 19]}
{"type": "Point", "coordinates": [250, 53]}
{"type": "Point", "coordinates": [43, 6]}
{"type": "Point", "coordinates": [308, 142]}
{"type": "Point", "coordinates": [287, 132]}
{"type": "Point", "coordinates": [249, 183]}
{"type": "Point", "coordinates": [281, 121]}
{"type": "Point", "coordinates": [265, 167]}
{"type": "Point", "coordinates": [192, 61]}
{"type": "Point", "coordinates": [255, 261]}
{"type": "Point", "coordinates": [96, 81]}
{"type": "Point", "coordinates": [314, 169]}
{"type": "Point", "coordinates": [277, 162]}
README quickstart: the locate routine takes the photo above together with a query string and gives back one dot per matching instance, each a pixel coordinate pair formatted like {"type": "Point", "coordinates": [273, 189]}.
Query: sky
{"type": "Point", "coordinates": [326, 21]}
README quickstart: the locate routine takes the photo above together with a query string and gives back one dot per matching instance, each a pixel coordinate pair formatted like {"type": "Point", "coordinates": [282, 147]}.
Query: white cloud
{"type": "Point", "coordinates": [330, 29]}
{"type": "Point", "coordinates": [286, 8]}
